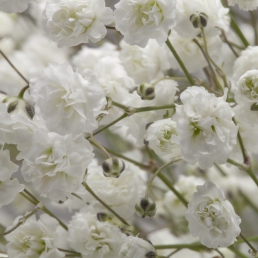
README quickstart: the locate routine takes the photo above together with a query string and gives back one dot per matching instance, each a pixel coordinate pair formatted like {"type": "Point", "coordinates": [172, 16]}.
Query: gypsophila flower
{"type": "Point", "coordinates": [246, 5]}
{"type": "Point", "coordinates": [56, 164]}
{"type": "Point", "coordinates": [14, 6]}
{"type": "Point", "coordinates": [205, 127]}
{"type": "Point", "coordinates": [161, 136]}
{"type": "Point", "coordinates": [247, 87]}
{"type": "Point", "coordinates": [68, 101]}
{"type": "Point", "coordinates": [9, 188]}
{"type": "Point", "coordinates": [142, 20]}
{"type": "Point", "coordinates": [34, 239]}
{"type": "Point", "coordinates": [72, 22]}
{"type": "Point", "coordinates": [93, 238]}
{"type": "Point", "coordinates": [135, 247]}
{"type": "Point", "coordinates": [212, 218]}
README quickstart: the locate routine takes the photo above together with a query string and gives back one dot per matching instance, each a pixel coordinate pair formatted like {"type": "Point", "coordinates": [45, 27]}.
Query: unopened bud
{"type": "Point", "coordinates": [19, 105]}
{"type": "Point", "coordinates": [103, 217]}
{"type": "Point", "coordinates": [199, 20]}
{"type": "Point", "coordinates": [151, 254]}
{"type": "Point", "coordinates": [113, 167]}
{"type": "Point", "coordinates": [145, 208]}
{"type": "Point", "coordinates": [146, 91]}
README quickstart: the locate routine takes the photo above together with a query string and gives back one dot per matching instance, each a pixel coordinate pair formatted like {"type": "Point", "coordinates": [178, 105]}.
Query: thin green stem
{"type": "Point", "coordinates": [132, 110]}
{"type": "Point", "coordinates": [35, 201]}
{"type": "Point", "coordinates": [237, 252]}
{"type": "Point", "coordinates": [219, 252]}
{"type": "Point", "coordinates": [68, 251]}
{"type": "Point", "coordinates": [254, 18]}
{"type": "Point", "coordinates": [104, 204]}
{"type": "Point", "coordinates": [248, 243]}
{"type": "Point", "coordinates": [244, 152]}
{"type": "Point", "coordinates": [109, 125]}
{"type": "Point", "coordinates": [236, 28]}
{"type": "Point", "coordinates": [218, 69]}
{"type": "Point", "coordinates": [23, 219]}
{"type": "Point", "coordinates": [21, 93]}
{"type": "Point", "coordinates": [155, 175]}
{"type": "Point", "coordinates": [15, 69]}
{"type": "Point", "coordinates": [172, 188]}
{"type": "Point", "coordinates": [225, 39]}
{"type": "Point", "coordinates": [220, 170]}
{"type": "Point", "coordinates": [180, 62]}
{"type": "Point", "coordinates": [247, 169]}
{"type": "Point", "coordinates": [99, 146]}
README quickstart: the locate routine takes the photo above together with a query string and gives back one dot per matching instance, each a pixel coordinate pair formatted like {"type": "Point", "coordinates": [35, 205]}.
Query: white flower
{"type": "Point", "coordinates": [246, 61]}
{"type": "Point", "coordinates": [212, 218]}
{"type": "Point", "coordinates": [205, 127]}
{"type": "Point", "coordinates": [141, 20]}
{"type": "Point", "coordinates": [5, 124]}
{"type": "Point", "coordinates": [8, 188]}
{"type": "Point", "coordinates": [247, 87]}
{"type": "Point", "coordinates": [186, 186]}
{"type": "Point", "coordinates": [14, 6]}
{"type": "Point", "coordinates": [72, 22]}
{"type": "Point", "coordinates": [56, 164]}
{"type": "Point", "coordinates": [246, 5]}
{"type": "Point", "coordinates": [144, 64]}
{"type": "Point", "coordinates": [161, 136]}
{"type": "Point", "coordinates": [217, 17]}
{"type": "Point", "coordinates": [68, 102]}
{"type": "Point", "coordinates": [34, 239]}
{"type": "Point", "coordinates": [135, 247]}
{"type": "Point", "coordinates": [93, 238]}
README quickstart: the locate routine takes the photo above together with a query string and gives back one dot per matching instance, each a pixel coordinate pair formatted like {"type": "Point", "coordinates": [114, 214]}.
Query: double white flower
{"type": "Point", "coordinates": [212, 218]}
{"type": "Point", "coordinates": [205, 127]}
{"type": "Point", "coordinates": [141, 20]}
{"type": "Point", "coordinates": [72, 22]}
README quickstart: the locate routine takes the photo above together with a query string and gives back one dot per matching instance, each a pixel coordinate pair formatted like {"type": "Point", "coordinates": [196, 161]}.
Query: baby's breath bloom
{"type": "Point", "coordinates": [247, 87]}
{"type": "Point", "coordinates": [68, 101]}
{"type": "Point", "coordinates": [161, 136]}
{"type": "Point", "coordinates": [72, 22]}
{"type": "Point", "coordinates": [142, 20]}
{"type": "Point", "coordinates": [93, 238]}
{"type": "Point", "coordinates": [246, 5]}
{"type": "Point", "coordinates": [205, 127]}
{"type": "Point", "coordinates": [212, 218]}
{"type": "Point", "coordinates": [35, 239]}
{"type": "Point", "coordinates": [56, 164]}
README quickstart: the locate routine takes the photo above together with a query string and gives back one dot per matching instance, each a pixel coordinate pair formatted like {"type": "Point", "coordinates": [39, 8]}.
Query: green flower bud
{"type": "Point", "coordinates": [113, 167]}
{"type": "Point", "coordinates": [146, 91]}
{"type": "Point", "coordinates": [151, 254]}
{"type": "Point", "coordinates": [16, 105]}
{"type": "Point", "coordinates": [145, 207]}
{"type": "Point", "coordinates": [199, 20]}
{"type": "Point", "coordinates": [103, 217]}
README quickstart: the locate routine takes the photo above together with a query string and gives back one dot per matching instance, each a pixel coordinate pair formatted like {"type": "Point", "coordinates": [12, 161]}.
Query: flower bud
{"type": "Point", "coordinates": [146, 91]}
{"type": "Point", "coordinates": [113, 167]}
{"type": "Point", "coordinates": [19, 105]}
{"type": "Point", "coordinates": [145, 207]}
{"type": "Point", "coordinates": [151, 254]}
{"type": "Point", "coordinates": [103, 217]}
{"type": "Point", "coordinates": [199, 19]}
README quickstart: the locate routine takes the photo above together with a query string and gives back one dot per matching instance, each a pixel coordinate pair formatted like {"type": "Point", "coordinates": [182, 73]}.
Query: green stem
{"type": "Point", "coordinates": [244, 152]}
{"type": "Point", "coordinates": [35, 201]}
{"type": "Point", "coordinates": [21, 93]}
{"type": "Point", "coordinates": [156, 174]}
{"type": "Point", "coordinates": [11, 64]}
{"type": "Point", "coordinates": [235, 27]}
{"type": "Point", "coordinates": [220, 170]}
{"type": "Point", "coordinates": [68, 251]}
{"type": "Point", "coordinates": [171, 187]}
{"type": "Point", "coordinates": [180, 62]}
{"type": "Point", "coordinates": [109, 125]}
{"type": "Point", "coordinates": [99, 146]}
{"type": "Point", "coordinates": [225, 39]}
{"type": "Point", "coordinates": [248, 243]}
{"type": "Point", "coordinates": [132, 110]}
{"type": "Point", "coordinates": [219, 252]}
{"type": "Point", "coordinates": [254, 18]}
{"type": "Point", "coordinates": [237, 252]}
{"type": "Point", "coordinates": [104, 204]}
